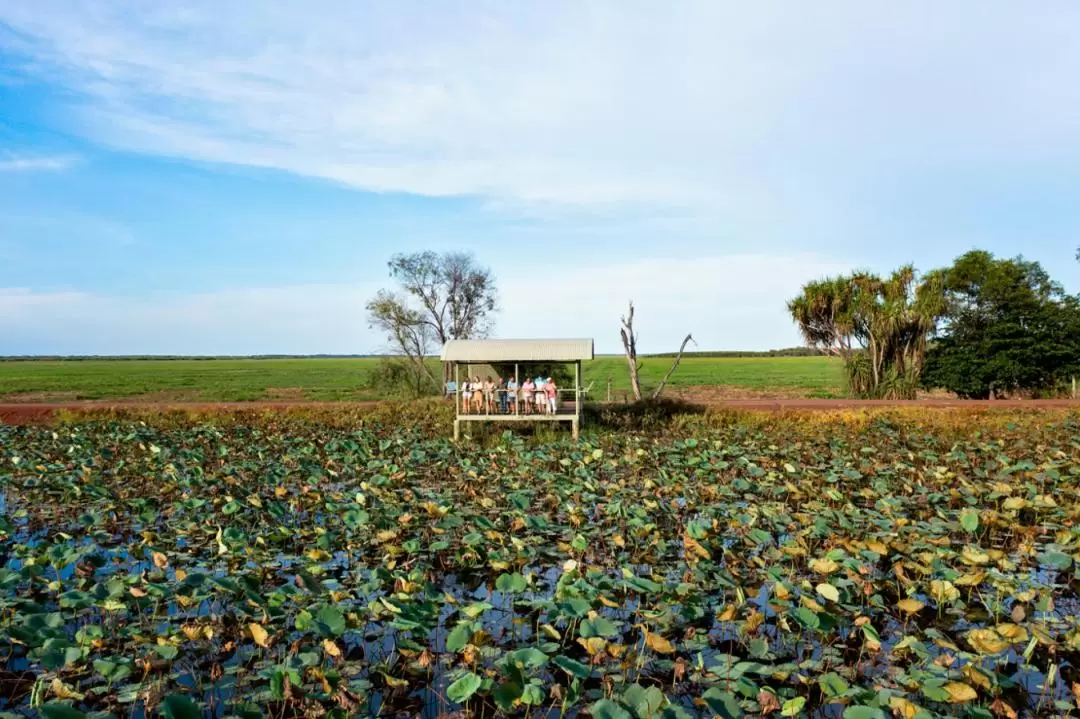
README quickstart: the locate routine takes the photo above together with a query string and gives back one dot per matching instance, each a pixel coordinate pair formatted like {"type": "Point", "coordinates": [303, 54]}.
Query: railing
{"type": "Point", "coordinates": [502, 403]}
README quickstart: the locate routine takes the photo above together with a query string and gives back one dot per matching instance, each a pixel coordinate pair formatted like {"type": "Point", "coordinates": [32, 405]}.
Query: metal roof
{"type": "Point", "coordinates": [549, 350]}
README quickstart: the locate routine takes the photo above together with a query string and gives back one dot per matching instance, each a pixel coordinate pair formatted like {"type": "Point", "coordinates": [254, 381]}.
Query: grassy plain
{"type": "Point", "coordinates": [350, 379]}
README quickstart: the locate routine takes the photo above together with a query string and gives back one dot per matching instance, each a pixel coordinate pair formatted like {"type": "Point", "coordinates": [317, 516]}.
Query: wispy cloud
{"type": "Point", "coordinates": [37, 164]}
{"type": "Point", "coordinates": [767, 115]}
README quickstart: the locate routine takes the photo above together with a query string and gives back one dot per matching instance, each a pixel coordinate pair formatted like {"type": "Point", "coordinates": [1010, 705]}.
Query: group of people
{"type": "Point", "coordinates": [536, 395]}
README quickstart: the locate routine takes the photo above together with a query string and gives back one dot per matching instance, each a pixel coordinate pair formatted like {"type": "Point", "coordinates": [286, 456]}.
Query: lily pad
{"type": "Point", "coordinates": [463, 688]}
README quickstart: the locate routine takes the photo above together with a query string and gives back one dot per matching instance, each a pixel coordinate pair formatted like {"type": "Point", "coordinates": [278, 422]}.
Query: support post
{"type": "Point", "coordinates": [577, 391]}
{"type": "Point", "coordinates": [457, 430]}
{"type": "Point", "coordinates": [1074, 387]}
{"type": "Point", "coordinates": [457, 390]}
{"type": "Point", "coordinates": [609, 390]}
{"type": "Point", "coordinates": [517, 399]}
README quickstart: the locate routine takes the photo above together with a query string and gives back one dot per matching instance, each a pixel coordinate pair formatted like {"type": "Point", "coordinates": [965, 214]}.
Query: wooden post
{"type": "Point", "coordinates": [517, 399]}
{"type": "Point", "coordinates": [457, 391]}
{"type": "Point", "coordinates": [609, 389]}
{"type": "Point", "coordinates": [577, 393]}
{"type": "Point", "coordinates": [1074, 387]}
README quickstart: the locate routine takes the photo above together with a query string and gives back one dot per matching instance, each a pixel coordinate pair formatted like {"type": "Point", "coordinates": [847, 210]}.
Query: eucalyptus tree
{"type": "Point", "coordinates": [441, 297]}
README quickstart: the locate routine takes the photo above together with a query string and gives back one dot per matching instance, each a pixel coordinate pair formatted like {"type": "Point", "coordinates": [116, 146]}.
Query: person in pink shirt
{"type": "Point", "coordinates": [528, 387]}
{"type": "Point", "coordinates": [552, 393]}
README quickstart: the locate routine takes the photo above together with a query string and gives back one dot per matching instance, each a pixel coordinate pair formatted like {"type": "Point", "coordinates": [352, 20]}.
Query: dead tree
{"type": "Point", "coordinates": [629, 342]}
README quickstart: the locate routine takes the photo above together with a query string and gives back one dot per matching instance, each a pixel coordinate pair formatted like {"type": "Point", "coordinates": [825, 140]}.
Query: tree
{"type": "Point", "coordinates": [443, 297]}
{"type": "Point", "coordinates": [457, 296]}
{"type": "Point", "coordinates": [629, 341]}
{"type": "Point", "coordinates": [407, 332]}
{"type": "Point", "coordinates": [1009, 329]}
{"type": "Point", "coordinates": [878, 327]}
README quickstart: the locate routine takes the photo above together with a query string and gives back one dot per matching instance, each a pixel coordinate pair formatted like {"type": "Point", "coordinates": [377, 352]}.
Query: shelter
{"type": "Point", "coordinates": [510, 406]}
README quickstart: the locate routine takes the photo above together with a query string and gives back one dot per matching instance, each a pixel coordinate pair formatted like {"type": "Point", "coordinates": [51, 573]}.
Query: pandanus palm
{"type": "Point", "coordinates": [879, 327]}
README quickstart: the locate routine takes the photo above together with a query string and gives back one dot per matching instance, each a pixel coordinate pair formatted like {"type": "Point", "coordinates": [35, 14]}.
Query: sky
{"type": "Point", "coordinates": [211, 177]}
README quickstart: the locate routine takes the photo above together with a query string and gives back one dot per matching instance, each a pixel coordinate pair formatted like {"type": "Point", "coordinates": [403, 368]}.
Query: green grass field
{"type": "Point", "coordinates": [349, 379]}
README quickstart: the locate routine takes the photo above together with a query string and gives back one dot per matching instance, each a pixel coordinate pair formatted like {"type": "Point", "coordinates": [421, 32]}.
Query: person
{"type": "Point", "coordinates": [512, 394]}
{"type": "Point", "coordinates": [539, 397]}
{"type": "Point", "coordinates": [489, 394]}
{"type": "Point", "coordinates": [552, 393]}
{"type": "Point", "coordinates": [528, 388]}
{"type": "Point", "coordinates": [504, 402]}
{"type": "Point", "coordinates": [451, 389]}
{"type": "Point", "coordinates": [466, 395]}
{"type": "Point", "coordinates": [479, 395]}
{"type": "Point", "coordinates": [474, 394]}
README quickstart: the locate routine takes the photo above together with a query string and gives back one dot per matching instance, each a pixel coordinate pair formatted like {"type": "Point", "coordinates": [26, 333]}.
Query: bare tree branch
{"type": "Point", "coordinates": [456, 296]}
{"type": "Point", "coordinates": [405, 328]}
{"type": "Point", "coordinates": [674, 365]}
{"type": "Point", "coordinates": [629, 341]}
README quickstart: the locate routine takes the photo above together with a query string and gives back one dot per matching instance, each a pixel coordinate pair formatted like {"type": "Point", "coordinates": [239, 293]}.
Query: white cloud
{"type": "Point", "coordinates": [691, 124]}
{"type": "Point", "coordinates": [37, 164]}
{"type": "Point", "coordinates": [760, 113]}
{"type": "Point", "coordinates": [734, 302]}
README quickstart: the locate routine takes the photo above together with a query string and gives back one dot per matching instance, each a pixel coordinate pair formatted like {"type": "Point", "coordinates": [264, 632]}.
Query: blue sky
{"type": "Point", "coordinates": [205, 178]}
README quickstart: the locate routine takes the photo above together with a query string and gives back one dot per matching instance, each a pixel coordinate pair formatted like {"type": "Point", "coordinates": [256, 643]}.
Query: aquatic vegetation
{"type": "Point", "coordinates": [863, 568]}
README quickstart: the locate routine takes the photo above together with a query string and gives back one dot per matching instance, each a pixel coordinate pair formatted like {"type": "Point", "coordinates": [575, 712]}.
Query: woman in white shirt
{"type": "Point", "coordinates": [466, 395]}
{"type": "Point", "coordinates": [540, 397]}
{"type": "Point", "coordinates": [477, 395]}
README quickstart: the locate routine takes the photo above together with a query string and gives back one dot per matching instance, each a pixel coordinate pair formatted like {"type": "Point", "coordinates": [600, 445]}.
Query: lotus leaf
{"type": "Point", "coordinates": [783, 566]}
{"type": "Point", "coordinates": [463, 688]}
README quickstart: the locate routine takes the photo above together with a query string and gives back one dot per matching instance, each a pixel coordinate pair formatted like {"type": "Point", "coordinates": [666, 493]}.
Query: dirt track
{"type": "Point", "coordinates": [26, 413]}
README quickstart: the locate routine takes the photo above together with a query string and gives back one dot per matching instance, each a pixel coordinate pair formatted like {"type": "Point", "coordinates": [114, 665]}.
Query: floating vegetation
{"type": "Point", "coordinates": [832, 569]}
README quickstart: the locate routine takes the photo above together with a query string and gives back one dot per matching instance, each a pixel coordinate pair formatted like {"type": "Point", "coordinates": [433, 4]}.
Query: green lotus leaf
{"type": "Point", "coordinates": [463, 688]}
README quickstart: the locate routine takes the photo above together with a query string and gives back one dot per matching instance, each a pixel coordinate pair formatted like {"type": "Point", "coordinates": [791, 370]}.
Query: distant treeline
{"type": "Point", "coordinates": [120, 358]}
{"type": "Point", "coordinates": [787, 352]}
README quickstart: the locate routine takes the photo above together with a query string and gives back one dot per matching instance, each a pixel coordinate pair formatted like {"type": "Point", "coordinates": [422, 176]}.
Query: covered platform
{"type": "Point", "coordinates": [468, 357]}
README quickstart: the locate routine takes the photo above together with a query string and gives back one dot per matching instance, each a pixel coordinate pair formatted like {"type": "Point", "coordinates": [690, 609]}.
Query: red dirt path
{"type": "Point", "coordinates": [26, 413]}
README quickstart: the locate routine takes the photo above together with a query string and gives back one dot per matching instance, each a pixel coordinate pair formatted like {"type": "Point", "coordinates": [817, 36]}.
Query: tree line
{"type": "Point", "coordinates": [983, 327]}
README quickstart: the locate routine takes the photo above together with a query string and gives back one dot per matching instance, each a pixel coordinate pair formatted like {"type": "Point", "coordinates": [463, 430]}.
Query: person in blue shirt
{"type": "Point", "coordinates": [512, 394]}
{"type": "Point", "coordinates": [539, 398]}
{"type": "Point", "coordinates": [504, 402]}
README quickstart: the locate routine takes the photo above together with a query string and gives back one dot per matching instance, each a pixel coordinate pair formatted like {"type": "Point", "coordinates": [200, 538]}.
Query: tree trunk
{"type": "Point", "coordinates": [629, 341]}
{"type": "Point", "coordinates": [874, 366]}
{"type": "Point", "coordinates": [423, 369]}
{"type": "Point", "coordinates": [678, 358]}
